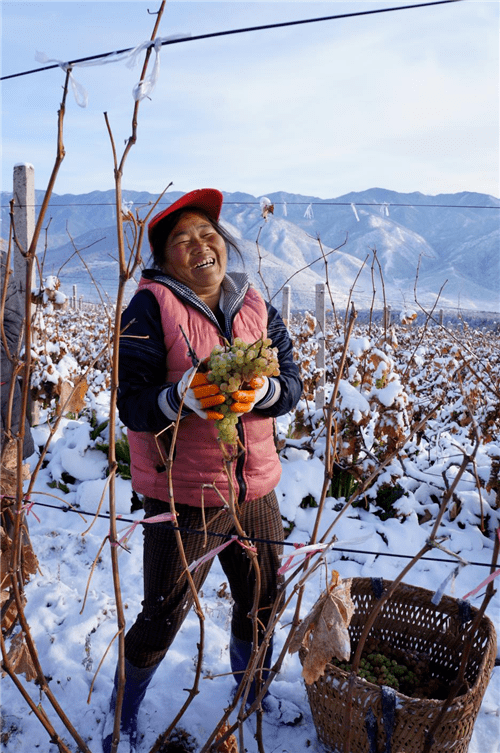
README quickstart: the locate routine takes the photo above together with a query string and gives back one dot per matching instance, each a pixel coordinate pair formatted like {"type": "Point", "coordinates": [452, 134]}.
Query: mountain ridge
{"type": "Point", "coordinates": [456, 244]}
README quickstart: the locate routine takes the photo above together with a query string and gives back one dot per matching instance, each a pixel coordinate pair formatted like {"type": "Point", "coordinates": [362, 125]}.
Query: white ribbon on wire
{"type": "Point", "coordinates": [145, 87]}
{"type": "Point", "coordinates": [142, 89]}
{"type": "Point", "coordinates": [80, 93]}
{"type": "Point", "coordinates": [309, 549]}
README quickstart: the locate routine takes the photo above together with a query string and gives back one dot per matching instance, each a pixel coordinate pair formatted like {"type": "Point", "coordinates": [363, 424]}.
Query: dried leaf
{"type": "Point", "coordinates": [8, 476]}
{"type": "Point", "coordinates": [6, 541]}
{"type": "Point", "coordinates": [29, 562]}
{"type": "Point", "coordinates": [72, 399]}
{"type": "Point", "coordinates": [228, 746]}
{"type": "Point", "coordinates": [323, 632]}
{"type": "Point", "coordinates": [267, 209]}
{"type": "Point", "coordinates": [19, 658]}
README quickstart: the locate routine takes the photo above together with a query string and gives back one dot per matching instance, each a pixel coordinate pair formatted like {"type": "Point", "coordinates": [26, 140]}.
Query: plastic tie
{"type": "Point", "coordinates": [163, 517]}
{"type": "Point", "coordinates": [487, 580]}
{"type": "Point", "coordinates": [28, 508]}
{"type": "Point", "coordinates": [450, 577]}
{"type": "Point", "coordinates": [213, 552]}
{"type": "Point", "coordinates": [307, 549]}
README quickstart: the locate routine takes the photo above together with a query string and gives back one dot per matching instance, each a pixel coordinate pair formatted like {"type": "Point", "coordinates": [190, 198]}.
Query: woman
{"type": "Point", "coordinates": [189, 288]}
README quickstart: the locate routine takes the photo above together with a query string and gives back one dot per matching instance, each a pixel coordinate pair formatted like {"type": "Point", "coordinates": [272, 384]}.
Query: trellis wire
{"type": "Point", "coordinates": [257, 540]}
{"type": "Point", "coordinates": [237, 31]}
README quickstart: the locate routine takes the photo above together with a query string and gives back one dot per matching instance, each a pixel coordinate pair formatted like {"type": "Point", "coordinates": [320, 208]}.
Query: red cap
{"type": "Point", "coordinates": [208, 199]}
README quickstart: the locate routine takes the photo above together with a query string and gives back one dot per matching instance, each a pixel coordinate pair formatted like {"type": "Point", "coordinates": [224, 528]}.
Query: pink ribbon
{"type": "Point", "coordinates": [213, 552]}
{"type": "Point", "coordinates": [29, 509]}
{"type": "Point", "coordinates": [487, 580]}
{"type": "Point", "coordinates": [307, 549]}
{"type": "Point", "coordinates": [162, 518]}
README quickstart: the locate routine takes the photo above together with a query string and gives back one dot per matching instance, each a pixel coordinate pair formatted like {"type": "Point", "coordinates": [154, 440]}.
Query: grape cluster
{"type": "Point", "coordinates": [403, 669]}
{"type": "Point", "coordinates": [381, 670]}
{"type": "Point", "coordinates": [232, 367]}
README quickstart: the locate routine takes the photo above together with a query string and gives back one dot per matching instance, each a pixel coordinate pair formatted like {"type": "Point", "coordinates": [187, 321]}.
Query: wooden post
{"type": "Point", "coordinates": [441, 317]}
{"type": "Point", "coordinates": [24, 222]}
{"type": "Point", "coordinates": [285, 305]}
{"type": "Point", "coordinates": [74, 297]}
{"type": "Point", "coordinates": [320, 333]}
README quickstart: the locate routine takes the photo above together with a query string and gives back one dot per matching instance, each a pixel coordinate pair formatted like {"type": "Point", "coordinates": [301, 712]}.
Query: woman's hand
{"type": "Point", "coordinates": [199, 394]}
{"type": "Point", "coordinates": [245, 398]}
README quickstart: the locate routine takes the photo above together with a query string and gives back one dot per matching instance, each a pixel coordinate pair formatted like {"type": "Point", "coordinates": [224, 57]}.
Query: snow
{"type": "Point", "coordinates": [71, 605]}
{"type": "Point", "coordinates": [353, 400]}
{"type": "Point", "coordinates": [359, 345]}
{"type": "Point", "coordinates": [387, 395]}
{"type": "Point", "coordinates": [72, 638]}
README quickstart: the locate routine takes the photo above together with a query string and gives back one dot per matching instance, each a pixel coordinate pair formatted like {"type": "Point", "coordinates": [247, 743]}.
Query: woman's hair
{"type": "Point", "coordinates": [159, 234]}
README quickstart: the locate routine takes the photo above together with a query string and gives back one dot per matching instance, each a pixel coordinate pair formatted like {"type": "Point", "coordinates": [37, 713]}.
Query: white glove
{"type": "Point", "coordinates": [261, 392]}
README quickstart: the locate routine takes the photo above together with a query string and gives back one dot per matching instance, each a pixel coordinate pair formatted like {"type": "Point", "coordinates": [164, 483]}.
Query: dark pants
{"type": "Point", "coordinates": [167, 594]}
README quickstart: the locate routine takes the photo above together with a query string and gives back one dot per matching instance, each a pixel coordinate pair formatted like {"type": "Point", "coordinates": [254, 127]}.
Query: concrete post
{"type": "Point", "coordinates": [320, 333]}
{"type": "Point", "coordinates": [24, 221]}
{"type": "Point", "coordinates": [285, 305]}
{"type": "Point", "coordinates": [387, 316]}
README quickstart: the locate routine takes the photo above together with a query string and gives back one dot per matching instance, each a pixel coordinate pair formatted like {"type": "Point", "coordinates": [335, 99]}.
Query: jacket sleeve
{"type": "Point", "coordinates": [142, 365]}
{"type": "Point", "coordinates": [289, 380]}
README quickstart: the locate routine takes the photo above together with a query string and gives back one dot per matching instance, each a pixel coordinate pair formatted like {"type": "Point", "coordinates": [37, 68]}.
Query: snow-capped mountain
{"type": "Point", "coordinates": [397, 243]}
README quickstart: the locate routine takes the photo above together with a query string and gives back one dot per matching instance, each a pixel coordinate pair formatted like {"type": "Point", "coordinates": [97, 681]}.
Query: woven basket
{"type": "Point", "coordinates": [386, 721]}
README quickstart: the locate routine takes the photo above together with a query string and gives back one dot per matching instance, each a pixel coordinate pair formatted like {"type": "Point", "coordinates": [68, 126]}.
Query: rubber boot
{"type": "Point", "coordinates": [137, 680]}
{"type": "Point", "coordinates": [239, 655]}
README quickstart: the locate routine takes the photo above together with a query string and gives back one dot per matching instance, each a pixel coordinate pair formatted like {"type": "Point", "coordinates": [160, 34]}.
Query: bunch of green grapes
{"type": "Point", "coordinates": [236, 367]}
{"type": "Point", "coordinates": [381, 670]}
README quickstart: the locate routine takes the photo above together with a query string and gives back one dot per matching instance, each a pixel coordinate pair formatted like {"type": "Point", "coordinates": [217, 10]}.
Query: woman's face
{"type": "Point", "coordinates": [195, 254]}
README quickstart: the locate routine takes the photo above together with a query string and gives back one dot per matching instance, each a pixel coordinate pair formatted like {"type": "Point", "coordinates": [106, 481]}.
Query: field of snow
{"type": "Point", "coordinates": [391, 382]}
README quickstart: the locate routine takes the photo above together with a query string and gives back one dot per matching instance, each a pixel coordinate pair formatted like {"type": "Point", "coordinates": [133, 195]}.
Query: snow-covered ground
{"type": "Point", "coordinates": [72, 636]}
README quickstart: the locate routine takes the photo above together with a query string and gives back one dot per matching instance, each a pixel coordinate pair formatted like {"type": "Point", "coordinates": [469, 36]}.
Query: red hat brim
{"type": "Point", "coordinates": [207, 199]}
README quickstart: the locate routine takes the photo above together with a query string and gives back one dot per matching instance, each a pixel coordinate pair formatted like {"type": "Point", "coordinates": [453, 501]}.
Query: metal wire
{"type": "Point", "coordinates": [237, 31]}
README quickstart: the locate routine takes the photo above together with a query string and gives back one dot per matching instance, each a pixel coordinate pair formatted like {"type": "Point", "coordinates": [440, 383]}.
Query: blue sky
{"type": "Point", "coordinates": [406, 101]}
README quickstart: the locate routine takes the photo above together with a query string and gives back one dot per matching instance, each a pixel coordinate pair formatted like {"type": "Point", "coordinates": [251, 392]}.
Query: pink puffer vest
{"type": "Point", "coordinates": [198, 458]}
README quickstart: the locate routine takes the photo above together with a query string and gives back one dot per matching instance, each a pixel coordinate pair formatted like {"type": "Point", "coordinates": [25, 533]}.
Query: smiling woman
{"type": "Point", "coordinates": [195, 254]}
{"type": "Point", "coordinates": [189, 288]}
{"type": "Point", "coordinates": [190, 245]}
